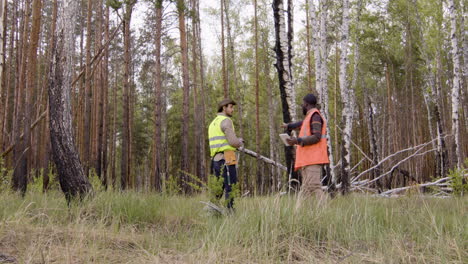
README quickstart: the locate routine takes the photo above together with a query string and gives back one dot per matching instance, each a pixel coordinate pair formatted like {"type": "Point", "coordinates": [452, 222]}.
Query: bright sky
{"type": "Point", "coordinates": [210, 27]}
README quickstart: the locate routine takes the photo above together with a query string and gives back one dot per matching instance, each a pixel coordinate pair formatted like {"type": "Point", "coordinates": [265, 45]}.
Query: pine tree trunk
{"type": "Point", "coordinates": [20, 154]}
{"type": "Point", "coordinates": [235, 77]}
{"type": "Point", "coordinates": [156, 168]}
{"type": "Point", "coordinates": [3, 88]}
{"type": "Point", "coordinates": [88, 94]}
{"type": "Point", "coordinates": [186, 93]}
{"type": "Point", "coordinates": [223, 53]}
{"type": "Point", "coordinates": [31, 81]}
{"type": "Point", "coordinates": [99, 95]}
{"type": "Point", "coordinates": [70, 171]}
{"type": "Point", "coordinates": [202, 91]}
{"type": "Point", "coordinates": [105, 106]}
{"type": "Point", "coordinates": [260, 184]}
{"type": "Point", "coordinates": [126, 124]}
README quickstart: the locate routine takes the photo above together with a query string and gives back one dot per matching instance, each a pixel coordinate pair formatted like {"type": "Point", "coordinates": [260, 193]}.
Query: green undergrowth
{"type": "Point", "coordinates": [275, 229]}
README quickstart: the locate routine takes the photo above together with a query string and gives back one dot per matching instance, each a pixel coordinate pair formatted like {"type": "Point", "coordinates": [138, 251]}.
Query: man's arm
{"type": "Point", "coordinates": [228, 129]}
{"type": "Point", "coordinates": [295, 125]}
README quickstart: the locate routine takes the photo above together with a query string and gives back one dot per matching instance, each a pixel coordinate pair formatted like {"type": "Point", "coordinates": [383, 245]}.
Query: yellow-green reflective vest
{"type": "Point", "coordinates": [217, 138]}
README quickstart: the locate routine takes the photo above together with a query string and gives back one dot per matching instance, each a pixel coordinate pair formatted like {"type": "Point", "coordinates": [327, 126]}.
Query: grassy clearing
{"type": "Point", "coordinates": [148, 228]}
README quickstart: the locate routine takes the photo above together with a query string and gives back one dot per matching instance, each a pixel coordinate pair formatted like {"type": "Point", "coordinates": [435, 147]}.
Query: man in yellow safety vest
{"type": "Point", "coordinates": [223, 144]}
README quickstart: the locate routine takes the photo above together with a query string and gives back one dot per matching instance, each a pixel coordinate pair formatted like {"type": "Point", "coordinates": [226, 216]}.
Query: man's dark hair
{"type": "Point", "coordinates": [310, 99]}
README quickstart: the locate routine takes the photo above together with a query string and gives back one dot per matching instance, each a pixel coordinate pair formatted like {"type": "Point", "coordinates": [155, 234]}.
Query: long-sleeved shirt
{"type": "Point", "coordinates": [228, 128]}
{"type": "Point", "coordinates": [316, 124]}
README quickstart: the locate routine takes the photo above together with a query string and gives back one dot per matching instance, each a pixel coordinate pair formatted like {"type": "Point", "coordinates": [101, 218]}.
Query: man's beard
{"type": "Point", "coordinates": [304, 110]}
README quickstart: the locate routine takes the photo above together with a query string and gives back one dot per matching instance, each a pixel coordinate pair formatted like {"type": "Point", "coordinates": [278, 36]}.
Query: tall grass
{"type": "Point", "coordinates": [135, 227]}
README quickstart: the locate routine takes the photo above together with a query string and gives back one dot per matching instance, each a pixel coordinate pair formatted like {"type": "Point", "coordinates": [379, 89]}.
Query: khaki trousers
{"type": "Point", "coordinates": [311, 182]}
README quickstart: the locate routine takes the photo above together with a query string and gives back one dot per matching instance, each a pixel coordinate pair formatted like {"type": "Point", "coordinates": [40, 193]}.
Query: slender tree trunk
{"type": "Point", "coordinates": [105, 107]}
{"type": "Point", "coordinates": [10, 81]}
{"type": "Point", "coordinates": [286, 86]}
{"type": "Point", "coordinates": [88, 94]}
{"type": "Point", "coordinates": [235, 77]}
{"type": "Point", "coordinates": [99, 98]}
{"type": "Point", "coordinates": [202, 90]}
{"type": "Point", "coordinates": [31, 81]}
{"type": "Point", "coordinates": [322, 83]}
{"type": "Point", "coordinates": [223, 52]}
{"type": "Point", "coordinates": [186, 93]}
{"type": "Point", "coordinates": [126, 124]}
{"type": "Point", "coordinates": [347, 96]}
{"type": "Point", "coordinates": [260, 184]}
{"type": "Point", "coordinates": [432, 98]}
{"type": "Point", "coordinates": [316, 45]}
{"type": "Point", "coordinates": [20, 154]}
{"type": "Point", "coordinates": [113, 153]}
{"type": "Point", "coordinates": [156, 168]}
{"type": "Point", "coordinates": [309, 59]}
{"type": "Point", "coordinates": [456, 85]}
{"type": "Point", "coordinates": [3, 88]}
{"type": "Point", "coordinates": [70, 171]}
{"type": "Point", "coordinates": [44, 149]}
{"type": "Point", "coordinates": [199, 127]}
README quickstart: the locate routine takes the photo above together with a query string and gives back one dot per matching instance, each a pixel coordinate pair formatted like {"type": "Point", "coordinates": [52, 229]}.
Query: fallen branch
{"type": "Point", "coordinates": [395, 166]}
{"type": "Point", "coordinates": [10, 148]}
{"type": "Point", "coordinates": [419, 147]}
{"type": "Point", "coordinates": [263, 158]}
{"type": "Point", "coordinates": [98, 55]}
{"type": "Point", "coordinates": [439, 182]}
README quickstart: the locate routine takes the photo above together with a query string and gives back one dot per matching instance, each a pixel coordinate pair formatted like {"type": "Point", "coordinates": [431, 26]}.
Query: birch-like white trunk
{"type": "Point", "coordinates": [432, 101]}
{"type": "Point", "coordinates": [456, 82]}
{"type": "Point", "coordinates": [347, 97]}
{"type": "Point", "coordinates": [291, 90]}
{"type": "Point", "coordinates": [316, 44]}
{"type": "Point", "coordinates": [323, 86]}
{"type": "Point", "coordinates": [287, 74]}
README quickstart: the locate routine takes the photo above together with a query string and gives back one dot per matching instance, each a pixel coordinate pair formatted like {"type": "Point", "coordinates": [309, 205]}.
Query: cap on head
{"type": "Point", "coordinates": [225, 102]}
{"type": "Point", "coordinates": [310, 99]}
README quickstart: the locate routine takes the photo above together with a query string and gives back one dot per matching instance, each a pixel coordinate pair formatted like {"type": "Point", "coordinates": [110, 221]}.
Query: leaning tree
{"type": "Point", "coordinates": [64, 153]}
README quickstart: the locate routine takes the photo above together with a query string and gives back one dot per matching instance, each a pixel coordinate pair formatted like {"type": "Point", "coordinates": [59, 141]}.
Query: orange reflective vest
{"type": "Point", "coordinates": [315, 153]}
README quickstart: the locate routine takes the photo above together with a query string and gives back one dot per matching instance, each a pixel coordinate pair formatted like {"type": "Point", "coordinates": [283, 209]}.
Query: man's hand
{"type": "Point", "coordinates": [292, 141]}
{"type": "Point", "coordinates": [284, 126]}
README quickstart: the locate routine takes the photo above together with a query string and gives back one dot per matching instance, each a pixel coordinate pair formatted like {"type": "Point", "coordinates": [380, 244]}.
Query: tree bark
{"type": "Point", "coordinates": [88, 94]}
{"type": "Point", "coordinates": [186, 92]}
{"type": "Point", "coordinates": [126, 124]}
{"type": "Point", "coordinates": [70, 171]}
{"type": "Point", "coordinates": [235, 77]}
{"type": "Point", "coordinates": [202, 91]}
{"type": "Point", "coordinates": [260, 184]}
{"type": "Point", "coordinates": [455, 85]}
{"type": "Point", "coordinates": [3, 88]}
{"type": "Point", "coordinates": [223, 52]}
{"type": "Point", "coordinates": [20, 154]}
{"type": "Point", "coordinates": [286, 86]}
{"type": "Point", "coordinates": [156, 168]}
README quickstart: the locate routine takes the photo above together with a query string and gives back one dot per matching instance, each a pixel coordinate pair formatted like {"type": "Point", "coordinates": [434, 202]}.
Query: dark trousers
{"type": "Point", "coordinates": [229, 173]}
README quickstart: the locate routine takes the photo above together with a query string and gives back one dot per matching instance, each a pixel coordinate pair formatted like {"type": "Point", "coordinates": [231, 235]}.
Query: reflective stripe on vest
{"type": "Point", "coordinates": [216, 136]}
{"type": "Point", "coordinates": [312, 154]}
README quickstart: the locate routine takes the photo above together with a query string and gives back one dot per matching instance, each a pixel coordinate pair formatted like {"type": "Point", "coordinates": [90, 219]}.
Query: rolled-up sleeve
{"type": "Point", "coordinates": [228, 129]}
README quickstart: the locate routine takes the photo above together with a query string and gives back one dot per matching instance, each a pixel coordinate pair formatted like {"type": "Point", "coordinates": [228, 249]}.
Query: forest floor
{"type": "Point", "coordinates": [136, 227]}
